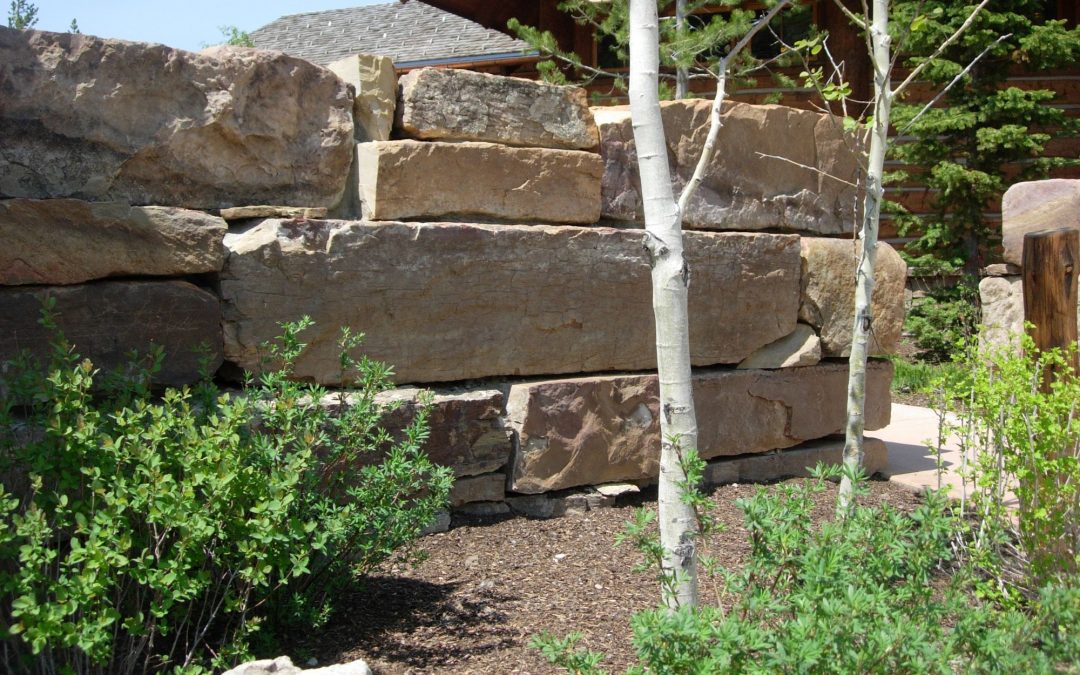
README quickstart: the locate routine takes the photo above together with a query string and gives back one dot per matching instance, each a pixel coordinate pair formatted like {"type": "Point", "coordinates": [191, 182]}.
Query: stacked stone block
{"type": "Point", "coordinates": [485, 237]}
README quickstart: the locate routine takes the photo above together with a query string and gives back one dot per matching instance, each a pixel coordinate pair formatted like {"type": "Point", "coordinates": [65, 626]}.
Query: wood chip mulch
{"type": "Point", "coordinates": [489, 585]}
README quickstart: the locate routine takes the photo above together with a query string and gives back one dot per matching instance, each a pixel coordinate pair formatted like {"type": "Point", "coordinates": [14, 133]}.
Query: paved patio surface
{"type": "Point", "coordinates": [912, 462]}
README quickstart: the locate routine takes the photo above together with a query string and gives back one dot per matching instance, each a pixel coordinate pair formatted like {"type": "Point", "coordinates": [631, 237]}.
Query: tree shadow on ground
{"type": "Point", "coordinates": [414, 623]}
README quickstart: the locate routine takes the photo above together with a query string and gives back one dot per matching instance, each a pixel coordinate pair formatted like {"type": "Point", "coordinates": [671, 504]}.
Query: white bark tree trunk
{"type": "Point", "coordinates": [670, 284]}
{"type": "Point", "coordinates": [864, 286]}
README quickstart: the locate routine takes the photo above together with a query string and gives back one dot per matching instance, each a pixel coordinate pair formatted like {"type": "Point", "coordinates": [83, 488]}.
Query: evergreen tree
{"type": "Point", "coordinates": [22, 15]}
{"type": "Point", "coordinates": [964, 148]}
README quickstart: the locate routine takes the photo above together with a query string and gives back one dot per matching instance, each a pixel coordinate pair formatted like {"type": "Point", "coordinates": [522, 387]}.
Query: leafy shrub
{"type": "Point", "coordinates": [143, 533]}
{"type": "Point", "coordinates": [1018, 424]}
{"type": "Point", "coordinates": [873, 592]}
{"type": "Point", "coordinates": [944, 318]}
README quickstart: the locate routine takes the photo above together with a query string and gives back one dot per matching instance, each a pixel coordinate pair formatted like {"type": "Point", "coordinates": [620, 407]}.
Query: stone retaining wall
{"type": "Point", "coordinates": [485, 236]}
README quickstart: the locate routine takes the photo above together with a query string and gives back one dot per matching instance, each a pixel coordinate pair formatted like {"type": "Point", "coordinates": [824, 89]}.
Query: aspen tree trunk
{"type": "Point", "coordinates": [864, 285]}
{"type": "Point", "coordinates": [670, 282]}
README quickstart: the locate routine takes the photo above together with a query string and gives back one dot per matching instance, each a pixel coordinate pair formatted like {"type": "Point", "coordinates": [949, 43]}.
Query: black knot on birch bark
{"type": "Point", "coordinates": [686, 274]}
{"type": "Point", "coordinates": [867, 321]}
{"type": "Point", "coordinates": [654, 248]}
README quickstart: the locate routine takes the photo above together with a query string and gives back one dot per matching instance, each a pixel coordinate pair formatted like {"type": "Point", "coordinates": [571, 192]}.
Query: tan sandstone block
{"type": "Point", "coordinates": [585, 431]}
{"type": "Point", "coordinates": [454, 301]}
{"type": "Point", "coordinates": [828, 294]}
{"type": "Point", "coordinates": [797, 461]}
{"type": "Point", "coordinates": [69, 241]}
{"type": "Point", "coordinates": [410, 180]}
{"type": "Point", "coordinates": [375, 82]}
{"type": "Point", "coordinates": [742, 190]}
{"type": "Point", "coordinates": [461, 105]}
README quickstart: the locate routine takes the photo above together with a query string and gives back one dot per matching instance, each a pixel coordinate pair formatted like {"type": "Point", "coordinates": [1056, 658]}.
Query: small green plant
{"type": "Point", "coordinates": [22, 15]}
{"type": "Point", "coordinates": [151, 533]}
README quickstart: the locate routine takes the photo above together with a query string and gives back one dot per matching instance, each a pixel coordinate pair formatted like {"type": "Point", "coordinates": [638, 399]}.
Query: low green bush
{"type": "Point", "coordinates": [155, 533]}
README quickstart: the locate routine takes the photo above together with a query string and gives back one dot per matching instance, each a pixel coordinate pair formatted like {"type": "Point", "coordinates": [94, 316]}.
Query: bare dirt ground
{"type": "Point", "coordinates": [489, 585]}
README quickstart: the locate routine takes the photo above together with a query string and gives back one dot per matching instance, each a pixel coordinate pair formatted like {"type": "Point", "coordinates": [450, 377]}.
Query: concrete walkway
{"type": "Point", "coordinates": [912, 462]}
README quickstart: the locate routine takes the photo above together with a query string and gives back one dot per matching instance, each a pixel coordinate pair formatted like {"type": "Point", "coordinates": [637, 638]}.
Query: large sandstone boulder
{"type": "Point", "coordinates": [102, 120]}
{"type": "Point", "coordinates": [68, 241]}
{"type": "Point", "coordinates": [591, 430]}
{"type": "Point", "coordinates": [375, 82]}
{"type": "Point", "coordinates": [448, 104]}
{"type": "Point", "coordinates": [828, 294]}
{"type": "Point", "coordinates": [742, 190]}
{"type": "Point", "coordinates": [107, 320]}
{"type": "Point", "coordinates": [453, 301]}
{"type": "Point", "coordinates": [410, 179]}
{"type": "Point", "coordinates": [1037, 205]}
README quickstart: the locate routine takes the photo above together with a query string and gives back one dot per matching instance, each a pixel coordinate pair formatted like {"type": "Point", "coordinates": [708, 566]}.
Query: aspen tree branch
{"type": "Point", "coordinates": [949, 86]}
{"type": "Point", "coordinates": [718, 100]}
{"type": "Point", "coordinates": [813, 169]}
{"type": "Point", "coordinates": [940, 50]}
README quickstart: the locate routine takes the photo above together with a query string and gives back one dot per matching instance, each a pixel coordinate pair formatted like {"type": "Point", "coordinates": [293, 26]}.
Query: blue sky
{"type": "Point", "coordinates": [186, 24]}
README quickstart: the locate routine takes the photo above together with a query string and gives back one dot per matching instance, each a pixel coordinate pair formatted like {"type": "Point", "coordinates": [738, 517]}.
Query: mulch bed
{"type": "Point", "coordinates": [489, 585]}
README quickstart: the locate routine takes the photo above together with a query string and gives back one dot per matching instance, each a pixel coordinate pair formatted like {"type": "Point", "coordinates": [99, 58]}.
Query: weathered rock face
{"type": "Point", "coordinates": [797, 461]}
{"type": "Point", "coordinates": [801, 347]}
{"type": "Point", "coordinates": [742, 190]}
{"type": "Point", "coordinates": [1002, 300]}
{"type": "Point", "coordinates": [107, 320]}
{"type": "Point", "coordinates": [102, 120]}
{"type": "Point", "coordinates": [1037, 205]}
{"type": "Point", "coordinates": [375, 83]}
{"type": "Point", "coordinates": [487, 488]}
{"type": "Point", "coordinates": [466, 429]}
{"type": "Point", "coordinates": [68, 241]}
{"type": "Point", "coordinates": [450, 301]}
{"type": "Point", "coordinates": [828, 294]}
{"type": "Point", "coordinates": [271, 211]}
{"type": "Point", "coordinates": [598, 429]}
{"type": "Point", "coordinates": [461, 105]}
{"type": "Point", "coordinates": [410, 179]}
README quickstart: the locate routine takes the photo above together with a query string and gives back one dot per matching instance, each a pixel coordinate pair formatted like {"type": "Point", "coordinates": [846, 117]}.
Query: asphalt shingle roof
{"type": "Point", "coordinates": [410, 33]}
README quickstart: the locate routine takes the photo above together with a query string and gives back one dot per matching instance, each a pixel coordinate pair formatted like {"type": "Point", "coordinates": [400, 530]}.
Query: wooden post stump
{"type": "Point", "coordinates": [1051, 258]}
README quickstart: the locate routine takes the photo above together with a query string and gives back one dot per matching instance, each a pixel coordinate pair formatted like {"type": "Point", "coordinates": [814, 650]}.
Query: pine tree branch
{"type": "Point", "coordinates": [959, 76]}
{"type": "Point", "coordinates": [914, 74]}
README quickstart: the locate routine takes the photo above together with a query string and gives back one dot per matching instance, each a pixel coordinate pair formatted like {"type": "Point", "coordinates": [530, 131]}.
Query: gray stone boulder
{"type": "Point", "coordinates": [111, 120]}
{"type": "Point", "coordinates": [742, 190]}
{"type": "Point", "coordinates": [68, 241]}
{"type": "Point", "coordinates": [589, 430]}
{"type": "Point", "coordinates": [413, 180]}
{"type": "Point", "coordinates": [453, 301]}
{"type": "Point", "coordinates": [107, 320]}
{"type": "Point", "coordinates": [448, 104]}
{"type": "Point", "coordinates": [828, 294]}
